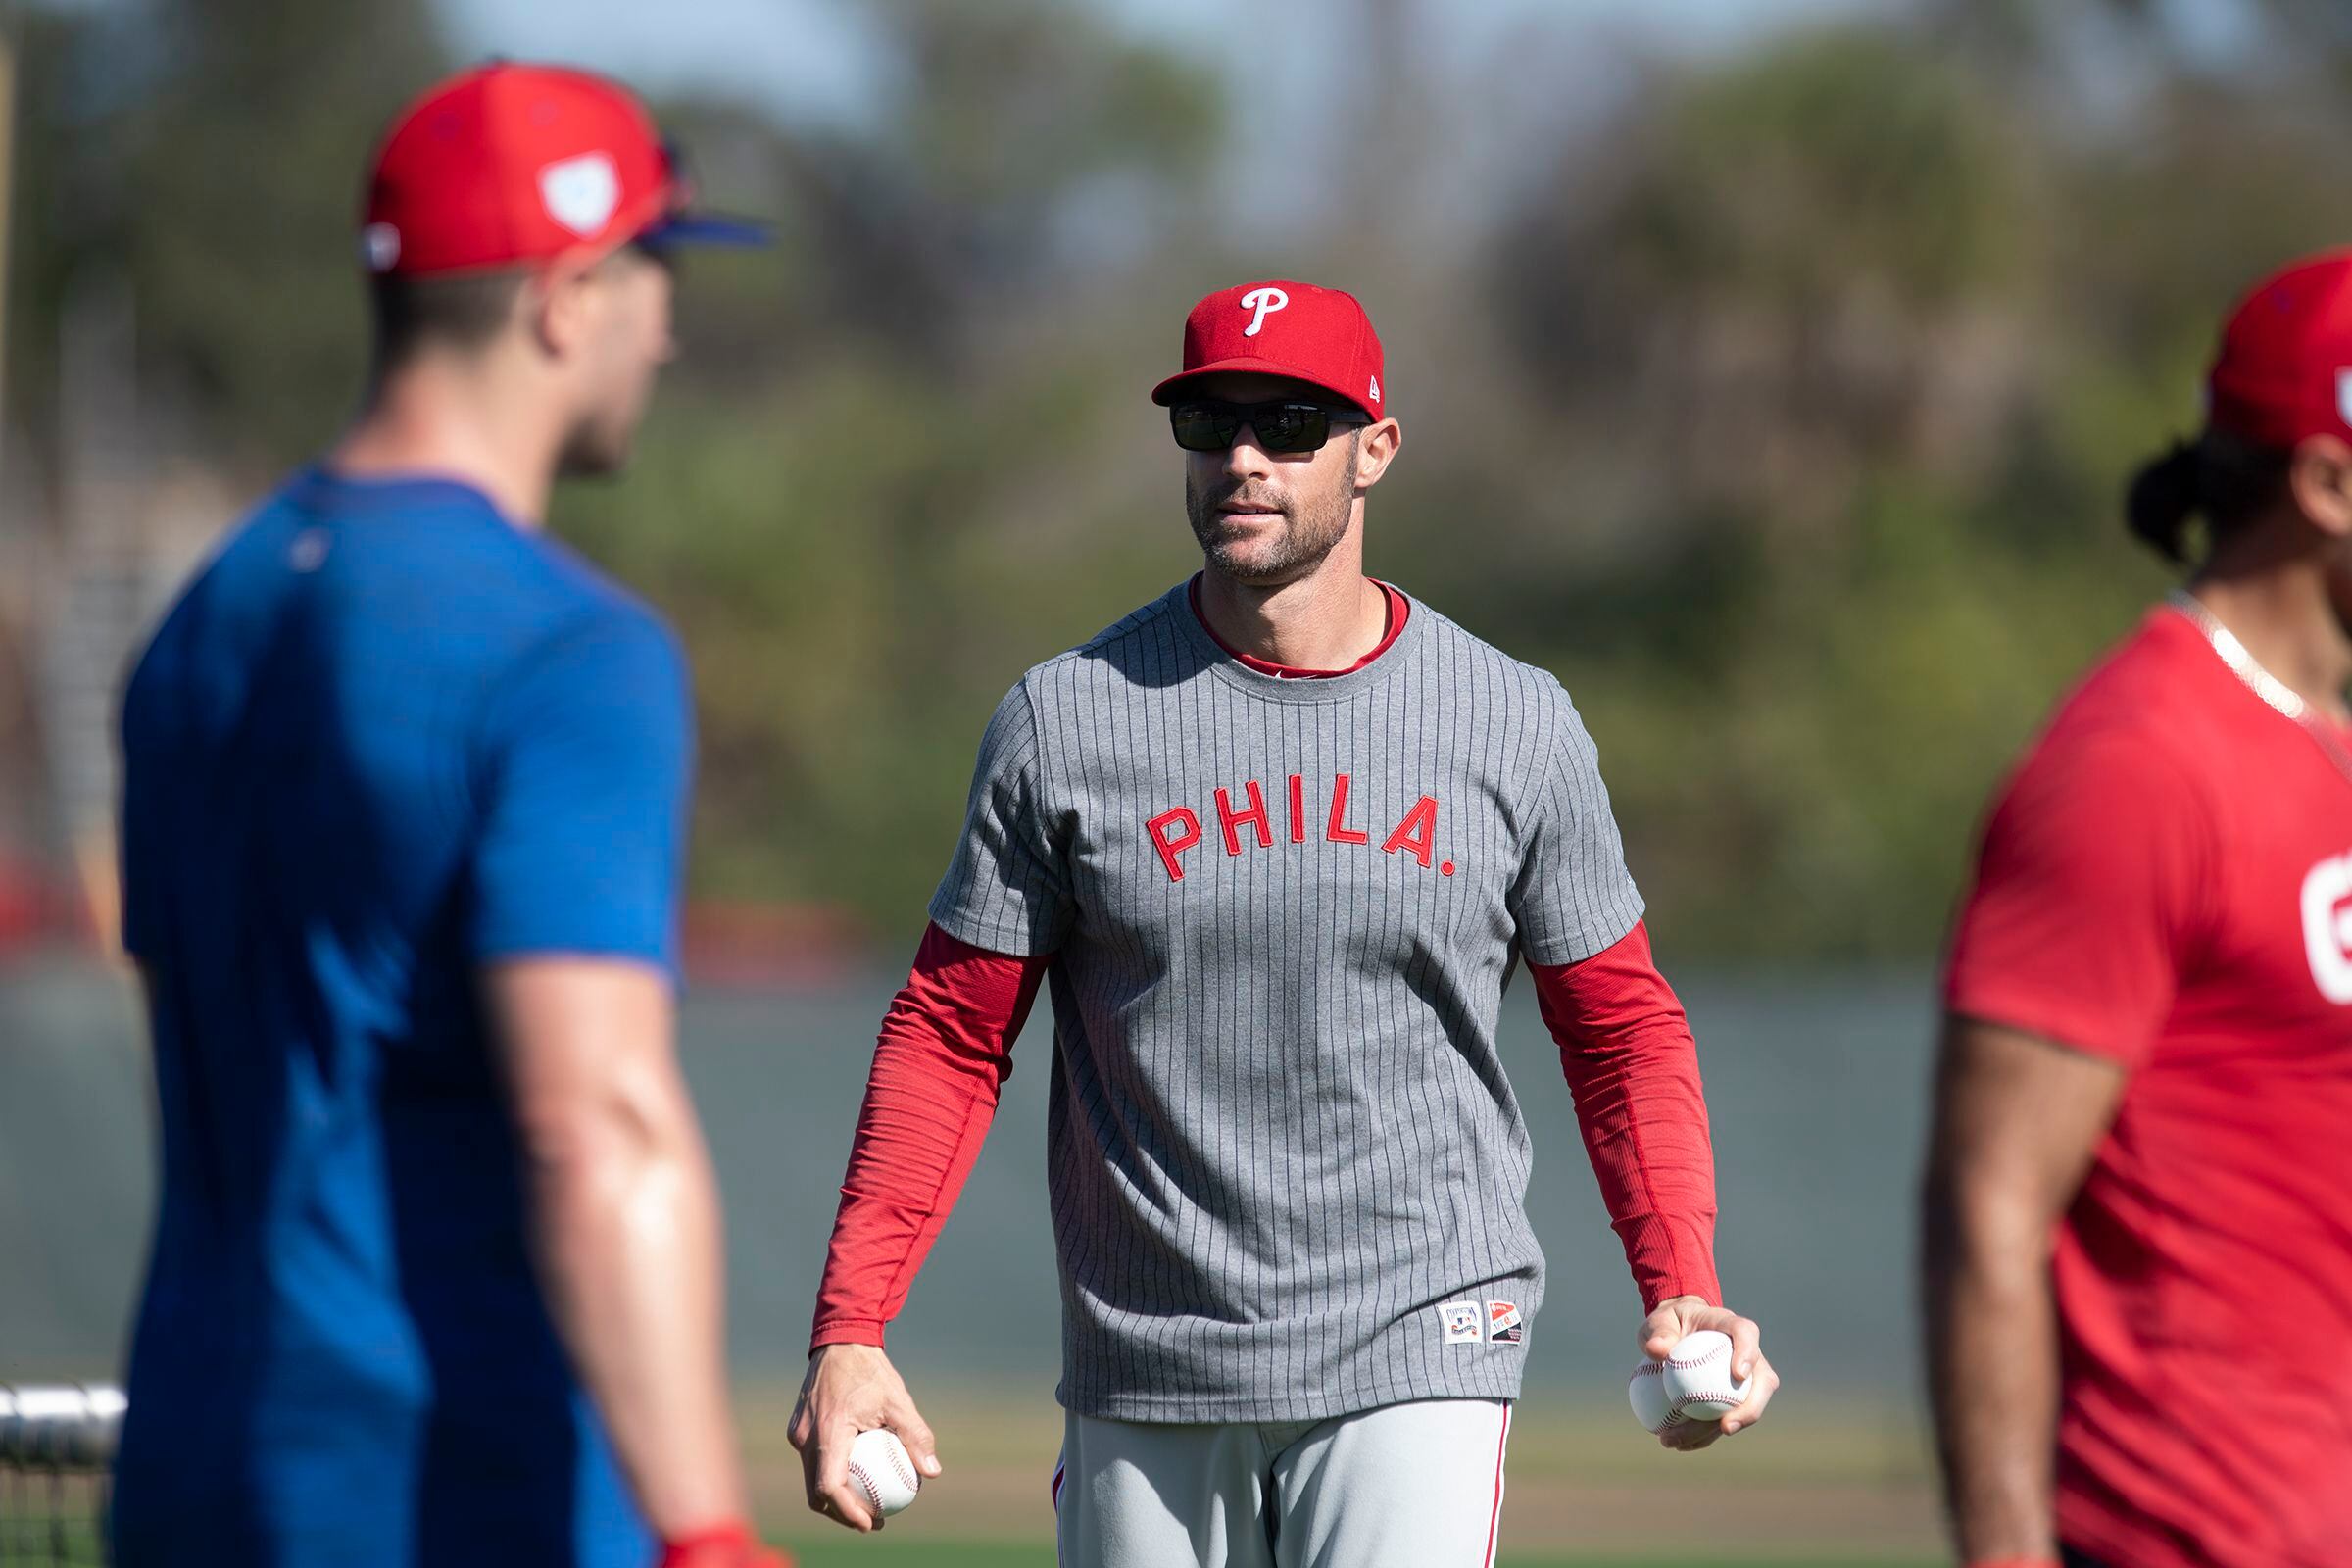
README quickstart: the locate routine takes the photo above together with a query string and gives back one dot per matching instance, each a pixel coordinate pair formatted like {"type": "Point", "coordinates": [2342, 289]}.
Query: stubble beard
{"type": "Point", "coordinates": [1312, 528]}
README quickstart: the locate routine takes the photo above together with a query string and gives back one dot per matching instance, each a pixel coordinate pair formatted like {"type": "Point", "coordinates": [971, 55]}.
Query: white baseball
{"type": "Point", "coordinates": [1645, 1390]}
{"type": "Point", "coordinates": [1699, 1386]}
{"type": "Point", "coordinates": [883, 1472]}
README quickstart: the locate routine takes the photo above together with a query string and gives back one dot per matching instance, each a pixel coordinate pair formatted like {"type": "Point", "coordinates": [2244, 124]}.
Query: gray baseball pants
{"type": "Point", "coordinates": [1406, 1485]}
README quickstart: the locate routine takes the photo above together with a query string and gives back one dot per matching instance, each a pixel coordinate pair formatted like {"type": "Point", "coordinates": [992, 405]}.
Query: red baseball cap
{"type": "Point", "coordinates": [507, 165]}
{"type": "Point", "coordinates": [1279, 328]}
{"type": "Point", "coordinates": [2285, 370]}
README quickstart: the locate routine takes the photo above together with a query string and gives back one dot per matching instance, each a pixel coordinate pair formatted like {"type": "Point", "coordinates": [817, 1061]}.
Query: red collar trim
{"type": "Point", "coordinates": [1400, 607]}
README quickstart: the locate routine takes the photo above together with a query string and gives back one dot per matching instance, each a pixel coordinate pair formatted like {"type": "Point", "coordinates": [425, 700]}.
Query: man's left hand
{"type": "Point", "coordinates": [1664, 1329]}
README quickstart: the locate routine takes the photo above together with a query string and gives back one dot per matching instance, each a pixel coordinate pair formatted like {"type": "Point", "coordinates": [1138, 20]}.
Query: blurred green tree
{"type": "Point", "coordinates": [1883, 330]}
{"type": "Point", "coordinates": [208, 154]}
{"type": "Point", "coordinates": [926, 491]}
{"type": "Point", "coordinates": [1782, 410]}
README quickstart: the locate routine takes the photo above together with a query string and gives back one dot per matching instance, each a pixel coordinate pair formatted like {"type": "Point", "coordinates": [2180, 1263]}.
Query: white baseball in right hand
{"type": "Point", "coordinates": [883, 1472]}
{"type": "Point", "coordinates": [852, 1395]}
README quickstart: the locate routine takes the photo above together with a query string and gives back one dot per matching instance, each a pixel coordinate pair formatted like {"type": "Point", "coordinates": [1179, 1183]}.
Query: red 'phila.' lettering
{"type": "Point", "coordinates": [1230, 820]}
{"type": "Point", "coordinates": [1179, 829]}
{"type": "Point", "coordinates": [1339, 814]}
{"type": "Point", "coordinates": [1418, 832]}
{"type": "Point", "coordinates": [1170, 845]}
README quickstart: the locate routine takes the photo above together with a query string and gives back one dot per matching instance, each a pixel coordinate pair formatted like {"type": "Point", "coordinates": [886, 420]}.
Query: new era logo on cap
{"type": "Point", "coordinates": [1282, 328]}
{"type": "Point", "coordinates": [379, 247]}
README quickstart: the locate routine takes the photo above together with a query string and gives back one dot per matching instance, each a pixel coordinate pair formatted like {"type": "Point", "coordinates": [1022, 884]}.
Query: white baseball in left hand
{"type": "Point", "coordinates": [1645, 1392]}
{"type": "Point", "coordinates": [1697, 1379]}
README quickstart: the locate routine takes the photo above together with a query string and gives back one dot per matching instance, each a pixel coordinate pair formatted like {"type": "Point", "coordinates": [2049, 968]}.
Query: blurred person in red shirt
{"type": "Point", "coordinates": [2138, 1224]}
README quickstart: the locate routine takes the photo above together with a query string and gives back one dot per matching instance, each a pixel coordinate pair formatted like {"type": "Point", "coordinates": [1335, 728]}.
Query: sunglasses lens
{"type": "Point", "coordinates": [1274, 426]}
{"type": "Point", "coordinates": [1291, 427]}
{"type": "Point", "coordinates": [1202, 427]}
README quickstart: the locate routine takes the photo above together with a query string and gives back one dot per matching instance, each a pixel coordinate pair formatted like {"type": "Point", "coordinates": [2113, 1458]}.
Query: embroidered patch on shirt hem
{"type": "Point", "coordinates": [1463, 1322]}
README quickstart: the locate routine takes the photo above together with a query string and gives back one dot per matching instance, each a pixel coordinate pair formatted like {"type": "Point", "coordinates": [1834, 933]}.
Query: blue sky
{"type": "Point", "coordinates": [816, 58]}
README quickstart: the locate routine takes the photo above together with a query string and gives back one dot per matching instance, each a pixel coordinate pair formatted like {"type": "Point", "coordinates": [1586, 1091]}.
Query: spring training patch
{"type": "Point", "coordinates": [1462, 1321]}
{"type": "Point", "coordinates": [1504, 1325]}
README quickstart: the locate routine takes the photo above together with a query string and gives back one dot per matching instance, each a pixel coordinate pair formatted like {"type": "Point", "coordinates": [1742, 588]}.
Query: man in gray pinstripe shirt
{"type": "Point", "coordinates": [1277, 842]}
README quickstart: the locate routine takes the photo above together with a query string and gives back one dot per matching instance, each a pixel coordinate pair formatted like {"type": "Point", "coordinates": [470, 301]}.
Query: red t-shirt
{"type": "Point", "coordinates": [2166, 883]}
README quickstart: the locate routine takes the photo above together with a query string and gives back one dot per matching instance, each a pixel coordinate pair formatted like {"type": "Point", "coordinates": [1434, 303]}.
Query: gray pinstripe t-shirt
{"type": "Point", "coordinates": [1287, 1171]}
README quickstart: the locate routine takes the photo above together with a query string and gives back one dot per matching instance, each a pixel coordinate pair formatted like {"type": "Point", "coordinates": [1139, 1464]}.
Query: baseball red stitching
{"type": "Point", "coordinates": [873, 1494]}
{"type": "Point", "coordinates": [1678, 1361]}
{"type": "Point", "coordinates": [1707, 1399]}
{"type": "Point", "coordinates": [1729, 1401]}
{"type": "Point", "coordinates": [904, 1464]}
{"type": "Point", "coordinates": [1674, 1417]}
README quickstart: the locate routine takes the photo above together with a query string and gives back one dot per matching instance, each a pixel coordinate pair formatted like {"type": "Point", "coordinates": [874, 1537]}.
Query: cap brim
{"type": "Point", "coordinates": [1174, 386]}
{"type": "Point", "coordinates": [706, 229]}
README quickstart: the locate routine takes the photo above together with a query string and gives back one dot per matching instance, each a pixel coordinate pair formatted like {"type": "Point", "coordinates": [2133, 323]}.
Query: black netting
{"type": "Point", "coordinates": [56, 1441]}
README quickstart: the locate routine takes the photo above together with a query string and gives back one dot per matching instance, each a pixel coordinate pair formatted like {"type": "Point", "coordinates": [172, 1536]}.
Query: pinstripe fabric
{"type": "Point", "coordinates": [1280, 1138]}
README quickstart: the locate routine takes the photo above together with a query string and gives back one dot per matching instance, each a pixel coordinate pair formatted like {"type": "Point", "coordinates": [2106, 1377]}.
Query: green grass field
{"type": "Point", "coordinates": [885, 1554]}
{"type": "Point", "coordinates": [841, 1550]}
{"type": "Point", "coordinates": [1828, 1487]}
{"type": "Point", "coordinates": [1844, 1487]}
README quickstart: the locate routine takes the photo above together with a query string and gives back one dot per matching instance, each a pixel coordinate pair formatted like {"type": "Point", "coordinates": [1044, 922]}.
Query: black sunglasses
{"type": "Point", "coordinates": [1285, 426]}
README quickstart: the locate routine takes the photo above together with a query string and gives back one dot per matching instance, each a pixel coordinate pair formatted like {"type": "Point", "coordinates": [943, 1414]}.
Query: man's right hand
{"type": "Point", "coordinates": [851, 1389]}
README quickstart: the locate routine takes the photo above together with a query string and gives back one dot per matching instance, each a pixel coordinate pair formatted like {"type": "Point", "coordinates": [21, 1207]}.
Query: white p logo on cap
{"type": "Point", "coordinates": [581, 192]}
{"type": "Point", "coordinates": [1266, 301]}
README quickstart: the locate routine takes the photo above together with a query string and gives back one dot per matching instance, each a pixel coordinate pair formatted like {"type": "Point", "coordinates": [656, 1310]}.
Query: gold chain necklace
{"type": "Point", "coordinates": [2273, 692]}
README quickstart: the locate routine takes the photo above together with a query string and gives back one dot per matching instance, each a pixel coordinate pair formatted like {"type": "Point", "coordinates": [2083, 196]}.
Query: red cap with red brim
{"type": "Point", "coordinates": [1280, 327]}
{"type": "Point", "coordinates": [2284, 369]}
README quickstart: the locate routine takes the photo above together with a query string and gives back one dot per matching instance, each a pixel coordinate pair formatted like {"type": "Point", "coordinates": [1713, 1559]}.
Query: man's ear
{"type": "Point", "coordinates": [2321, 476]}
{"type": "Point", "coordinates": [1375, 449]}
{"type": "Point", "coordinates": [562, 302]}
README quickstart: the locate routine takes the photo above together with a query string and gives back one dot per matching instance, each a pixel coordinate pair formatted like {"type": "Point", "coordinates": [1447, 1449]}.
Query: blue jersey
{"type": "Point", "coordinates": [385, 738]}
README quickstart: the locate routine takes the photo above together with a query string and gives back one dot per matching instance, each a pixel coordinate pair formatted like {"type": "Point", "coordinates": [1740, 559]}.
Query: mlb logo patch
{"type": "Point", "coordinates": [1504, 1325]}
{"type": "Point", "coordinates": [1465, 1323]}
{"type": "Point", "coordinates": [581, 193]}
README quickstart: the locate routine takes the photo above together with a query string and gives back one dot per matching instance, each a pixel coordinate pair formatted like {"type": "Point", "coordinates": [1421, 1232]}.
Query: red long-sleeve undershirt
{"type": "Point", "coordinates": [1632, 1068]}
{"type": "Point", "coordinates": [946, 1051]}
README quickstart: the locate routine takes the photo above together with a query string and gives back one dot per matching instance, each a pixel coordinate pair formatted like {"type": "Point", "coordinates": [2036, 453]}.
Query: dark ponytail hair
{"type": "Point", "coordinates": [2227, 481]}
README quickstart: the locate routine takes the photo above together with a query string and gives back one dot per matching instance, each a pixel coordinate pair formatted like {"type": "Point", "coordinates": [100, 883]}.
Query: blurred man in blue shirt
{"type": "Point", "coordinates": [438, 1274]}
